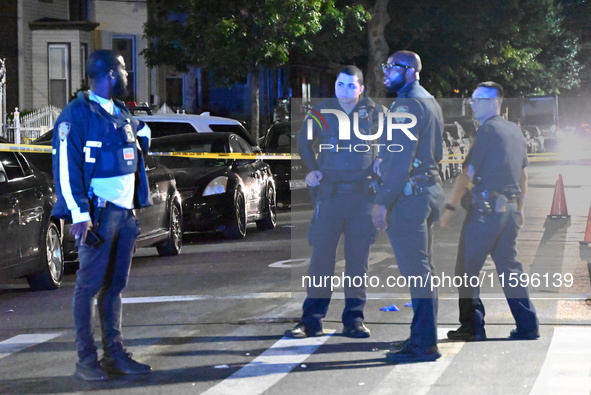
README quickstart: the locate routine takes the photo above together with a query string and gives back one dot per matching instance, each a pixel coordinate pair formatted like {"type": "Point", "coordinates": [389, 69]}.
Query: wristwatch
{"type": "Point", "coordinates": [450, 207]}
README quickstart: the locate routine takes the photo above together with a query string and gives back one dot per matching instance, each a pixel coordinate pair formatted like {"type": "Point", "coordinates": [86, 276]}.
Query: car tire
{"type": "Point", "coordinates": [51, 260]}
{"type": "Point", "coordinates": [173, 245]}
{"type": "Point", "coordinates": [270, 220]}
{"type": "Point", "coordinates": [236, 229]}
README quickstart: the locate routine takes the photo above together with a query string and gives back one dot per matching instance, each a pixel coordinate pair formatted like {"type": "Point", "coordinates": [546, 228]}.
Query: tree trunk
{"type": "Point", "coordinates": [255, 107]}
{"type": "Point", "coordinates": [378, 49]}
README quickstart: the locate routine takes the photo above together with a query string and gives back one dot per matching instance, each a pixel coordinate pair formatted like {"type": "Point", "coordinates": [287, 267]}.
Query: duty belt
{"type": "Point", "coordinates": [429, 176]}
{"type": "Point", "coordinates": [511, 197]}
{"type": "Point", "coordinates": [486, 202]}
{"type": "Point", "coordinates": [99, 202]}
{"type": "Point", "coordinates": [348, 187]}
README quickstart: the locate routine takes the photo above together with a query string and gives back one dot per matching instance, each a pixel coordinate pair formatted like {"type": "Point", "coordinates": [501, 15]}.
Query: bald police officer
{"type": "Point", "coordinates": [408, 202]}
{"type": "Point", "coordinates": [497, 167]}
{"type": "Point", "coordinates": [100, 177]}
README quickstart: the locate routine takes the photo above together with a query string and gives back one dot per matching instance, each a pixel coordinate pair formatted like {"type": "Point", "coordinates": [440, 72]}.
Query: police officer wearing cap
{"type": "Point", "coordinates": [342, 173]}
{"type": "Point", "coordinates": [497, 168]}
{"type": "Point", "coordinates": [407, 204]}
{"type": "Point", "coordinates": [100, 178]}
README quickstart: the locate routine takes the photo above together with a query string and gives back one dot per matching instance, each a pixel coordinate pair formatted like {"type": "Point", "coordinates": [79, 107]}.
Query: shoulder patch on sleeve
{"type": "Point", "coordinates": [402, 109]}
{"type": "Point", "coordinates": [63, 130]}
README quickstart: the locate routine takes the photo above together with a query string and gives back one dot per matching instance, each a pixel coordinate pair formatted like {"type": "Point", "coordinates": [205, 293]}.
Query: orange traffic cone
{"type": "Point", "coordinates": [559, 201]}
{"type": "Point", "coordinates": [587, 240]}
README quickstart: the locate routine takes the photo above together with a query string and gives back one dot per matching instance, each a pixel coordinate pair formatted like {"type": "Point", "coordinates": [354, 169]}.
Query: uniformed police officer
{"type": "Point", "coordinates": [100, 177]}
{"type": "Point", "coordinates": [497, 168]}
{"type": "Point", "coordinates": [342, 174]}
{"type": "Point", "coordinates": [408, 202]}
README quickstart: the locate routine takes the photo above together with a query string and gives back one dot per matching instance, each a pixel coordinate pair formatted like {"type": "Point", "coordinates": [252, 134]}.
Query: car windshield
{"type": "Point", "coordinates": [160, 129]}
{"type": "Point", "coordinates": [279, 141]}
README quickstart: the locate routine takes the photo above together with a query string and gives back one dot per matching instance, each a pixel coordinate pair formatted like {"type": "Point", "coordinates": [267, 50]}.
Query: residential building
{"type": "Point", "coordinates": [46, 44]}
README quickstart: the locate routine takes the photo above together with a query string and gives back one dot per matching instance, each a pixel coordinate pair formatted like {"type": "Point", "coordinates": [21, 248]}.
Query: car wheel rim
{"type": "Point", "coordinates": [241, 214]}
{"type": "Point", "coordinates": [272, 205]}
{"type": "Point", "coordinates": [176, 227]}
{"type": "Point", "coordinates": [54, 253]}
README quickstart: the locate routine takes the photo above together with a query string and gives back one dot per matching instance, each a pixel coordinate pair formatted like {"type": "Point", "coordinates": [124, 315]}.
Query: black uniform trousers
{"type": "Point", "coordinates": [495, 234]}
{"type": "Point", "coordinates": [339, 211]}
{"type": "Point", "coordinates": [103, 274]}
{"type": "Point", "coordinates": [410, 232]}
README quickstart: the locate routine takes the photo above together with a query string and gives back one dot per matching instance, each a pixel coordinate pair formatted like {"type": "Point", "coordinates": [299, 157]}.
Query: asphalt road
{"type": "Point", "coordinates": [211, 320]}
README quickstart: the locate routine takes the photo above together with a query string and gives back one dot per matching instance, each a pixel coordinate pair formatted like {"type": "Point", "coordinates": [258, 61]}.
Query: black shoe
{"type": "Point", "coordinates": [517, 335]}
{"type": "Point", "coordinates": [122, 363]}
{"type": "Point", "coordinates": [90, 370]}
{"type": "Point", "coordinates": [356, 331]}
{"type": "Point", "coordinates": [399, 345]}
{"type": "Point", "coordinates": [301, 332]}
{"type": "Point", "coordinates": [410, 354]}
{"type": "Point", "coordinates": [467, 335]}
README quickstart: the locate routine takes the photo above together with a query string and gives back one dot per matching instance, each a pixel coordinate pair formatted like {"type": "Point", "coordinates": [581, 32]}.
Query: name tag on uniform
{"type": "Point", "coordinates": [128, 153]}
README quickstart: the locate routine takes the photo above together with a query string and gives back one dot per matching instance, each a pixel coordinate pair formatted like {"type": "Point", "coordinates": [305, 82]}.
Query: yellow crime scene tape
{"type": "Point", "coordinates": [225, 155]}
{"type": "Point", "coordinates": [448, 158]}
{"type": "Point", "coordinates": [25, 148]}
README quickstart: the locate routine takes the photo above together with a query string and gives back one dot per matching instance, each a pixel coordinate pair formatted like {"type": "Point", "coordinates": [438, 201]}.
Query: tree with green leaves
{"type": "Point", "coordinates": [520, 44]}
{"type": "Point", "coordinates": [241, 37]}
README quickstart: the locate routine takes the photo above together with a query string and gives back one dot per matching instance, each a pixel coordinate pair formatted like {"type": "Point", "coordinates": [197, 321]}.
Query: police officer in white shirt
{"type": "Point", "coordinates": [100, 178]}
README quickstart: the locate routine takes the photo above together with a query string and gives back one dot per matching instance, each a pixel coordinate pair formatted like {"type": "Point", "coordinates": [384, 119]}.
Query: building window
{"type": "Point", "coordinates": [59, 74]}
{"type": "Point", "coordinates": [79, 10]}
{"type": "Point", "coordinates": [125, 46]}
{"type": "Point", "coordinates": [174, 91]}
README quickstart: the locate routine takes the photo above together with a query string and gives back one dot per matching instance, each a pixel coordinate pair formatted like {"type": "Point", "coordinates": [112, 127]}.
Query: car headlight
{"type": "Point", "coordinates": [216, 186]}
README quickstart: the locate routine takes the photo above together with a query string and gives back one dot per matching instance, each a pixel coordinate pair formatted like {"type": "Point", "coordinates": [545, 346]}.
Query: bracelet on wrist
{"type": "Point", "coordinates": [450, 207]}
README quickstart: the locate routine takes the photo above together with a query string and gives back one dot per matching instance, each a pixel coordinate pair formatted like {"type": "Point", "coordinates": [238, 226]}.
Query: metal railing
{"type": "Point", "coordinates": [22, 130]}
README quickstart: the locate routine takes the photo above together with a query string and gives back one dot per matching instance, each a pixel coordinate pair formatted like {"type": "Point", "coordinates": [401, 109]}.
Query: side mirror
{"type": "Point", "coordinates": [3, 177]}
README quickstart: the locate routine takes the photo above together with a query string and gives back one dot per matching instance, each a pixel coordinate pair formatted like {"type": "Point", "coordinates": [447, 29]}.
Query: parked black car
{"type": "Point", "coordinates": [224, 194]}
{"type": "Point", "coordinates": [290, 175]}
{"type": "Point", "coordinates": [30, 245]}
{"type": "Point", "coordinates": [160, 224]}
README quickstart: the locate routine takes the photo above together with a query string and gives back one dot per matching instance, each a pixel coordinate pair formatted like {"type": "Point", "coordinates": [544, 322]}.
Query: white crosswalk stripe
{"type": "Point", "coordinates": [567, 368]}
{"type": "Point", "coordinates": [271, 366]}
{"type": "Point", "coordinates": [21, 342]}
{"type": "Point", "coordinates": [423, 375]}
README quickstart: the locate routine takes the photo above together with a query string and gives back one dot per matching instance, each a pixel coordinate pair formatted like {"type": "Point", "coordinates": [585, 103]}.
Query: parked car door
{"type": "Point", "coordinates": [154, 219]}
{"type": "Point", "coordinates": [250, 172]}
{"type": "Point", "coordinates": [9, 213]}
{"type": "Point", "coordinates": [30, 201]}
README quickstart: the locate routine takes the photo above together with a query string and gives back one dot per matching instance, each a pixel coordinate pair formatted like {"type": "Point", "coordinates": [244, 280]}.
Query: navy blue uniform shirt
{"type": "Point", "coordinates": [428, 148]}
{"type": "Point", "coordinates": [498, 156]}
{"type": "Point", "coordinates": [343, 159]}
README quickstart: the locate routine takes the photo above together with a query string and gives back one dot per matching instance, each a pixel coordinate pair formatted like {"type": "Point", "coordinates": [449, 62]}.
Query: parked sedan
{"type": "Point", "coordinates": [30, 245]}
{"type": "Point", "coordinates": [219, 194]}
{"type": "Point", "coordinates": [160, 224]}
{"type": "Point", "coordinates": [290, 175]}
